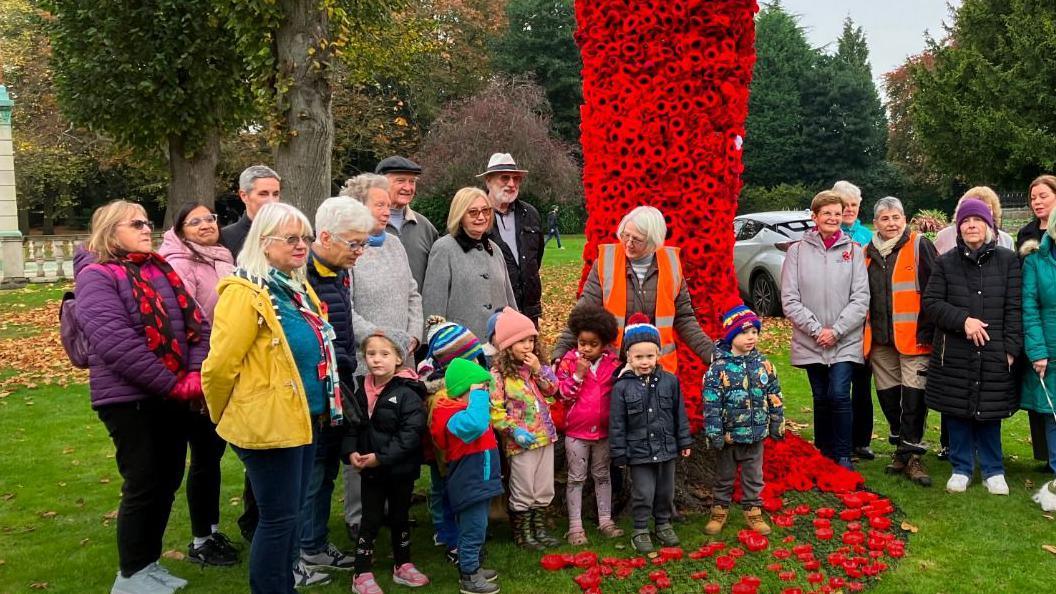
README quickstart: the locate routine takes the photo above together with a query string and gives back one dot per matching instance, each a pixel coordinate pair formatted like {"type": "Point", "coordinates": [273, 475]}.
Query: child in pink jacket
{"type": "Point", "coordinates": [585, 377]}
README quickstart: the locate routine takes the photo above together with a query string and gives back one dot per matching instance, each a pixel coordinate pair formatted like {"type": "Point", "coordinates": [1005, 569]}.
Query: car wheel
{"type": "Point", "coordinates": [766, 299]}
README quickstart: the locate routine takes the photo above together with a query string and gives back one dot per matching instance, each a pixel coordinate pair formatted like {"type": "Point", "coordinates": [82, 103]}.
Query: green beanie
{"type": "Point", "coordinates": [461, 374]}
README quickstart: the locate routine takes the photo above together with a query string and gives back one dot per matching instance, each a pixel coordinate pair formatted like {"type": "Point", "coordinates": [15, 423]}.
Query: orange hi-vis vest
{"type": "Point", "coordinates": [612, 274]}
{"type": "Point", "coordinates": [905, 301]}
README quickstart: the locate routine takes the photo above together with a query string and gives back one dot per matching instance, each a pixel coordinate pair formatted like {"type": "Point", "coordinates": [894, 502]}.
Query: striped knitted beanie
{"type": "Point", "coordinates": [448, 341]}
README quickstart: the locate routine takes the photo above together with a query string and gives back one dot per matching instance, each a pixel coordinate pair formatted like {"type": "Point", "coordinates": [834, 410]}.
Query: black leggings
{"type": "Point", "coordinates": [203, 476]}
{"type": "Point", "coordinates": [376, 492]}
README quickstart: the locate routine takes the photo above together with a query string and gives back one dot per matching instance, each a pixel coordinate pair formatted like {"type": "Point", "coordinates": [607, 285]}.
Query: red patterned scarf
{"type": "Point", "coordinates": [156, 323]}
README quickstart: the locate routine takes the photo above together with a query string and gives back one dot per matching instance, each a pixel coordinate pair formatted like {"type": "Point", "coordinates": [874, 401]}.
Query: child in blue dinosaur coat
{"type": "Point", "coordinates": [742, 406]}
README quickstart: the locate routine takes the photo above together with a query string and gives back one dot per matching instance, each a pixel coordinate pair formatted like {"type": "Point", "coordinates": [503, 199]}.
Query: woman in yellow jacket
{"type": "Point", "coordinates": [270, 382]}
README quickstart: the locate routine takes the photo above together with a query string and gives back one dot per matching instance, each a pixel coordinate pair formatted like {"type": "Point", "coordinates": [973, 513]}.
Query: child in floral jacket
{"type": "Point", "coordinates": [522, 391]}
{"type": "Point", "coordinates": [742, 406]}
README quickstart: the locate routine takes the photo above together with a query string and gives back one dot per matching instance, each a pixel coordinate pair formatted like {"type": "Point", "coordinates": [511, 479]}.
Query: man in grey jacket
{"type": "Point", "coordinates": [825, 294]}
{"type": "Point", "coordinates": [416, 233]}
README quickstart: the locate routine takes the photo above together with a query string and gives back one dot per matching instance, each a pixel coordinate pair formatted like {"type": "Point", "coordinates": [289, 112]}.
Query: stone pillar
{"type": "Point", "coordinates": [12, 265]}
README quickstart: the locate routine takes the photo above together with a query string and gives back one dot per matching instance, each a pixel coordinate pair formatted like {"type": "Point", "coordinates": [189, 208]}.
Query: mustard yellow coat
{"type": "Point", "coordinates": [252, 388]}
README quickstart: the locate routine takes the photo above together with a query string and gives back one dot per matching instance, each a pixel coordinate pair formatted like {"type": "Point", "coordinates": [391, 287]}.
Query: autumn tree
{"type": "Point", "coordinates": [158, 76]}
{"type": "Point", "coordinates": [983, 110]}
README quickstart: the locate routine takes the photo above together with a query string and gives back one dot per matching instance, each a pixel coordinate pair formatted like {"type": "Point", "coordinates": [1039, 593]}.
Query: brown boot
{"type": "Point", "coordinates": [897, 465]}
{"type": "Point", "coordinates": [916, 472]}
{"type": "Point", "coordinates": [719, 515]}
{"type": "Point", "coordinates": [754, 518]}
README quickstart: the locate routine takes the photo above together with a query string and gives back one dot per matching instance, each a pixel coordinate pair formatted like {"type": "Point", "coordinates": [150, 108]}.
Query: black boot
{"type": "Point", "coordinates": [539, 529]}
{"type": "Point", "coordinates": [474, 583]}
{"type": "Point", "coordinates": [891, 404]}
{"type": "Point", "coordinates": [520, 523]}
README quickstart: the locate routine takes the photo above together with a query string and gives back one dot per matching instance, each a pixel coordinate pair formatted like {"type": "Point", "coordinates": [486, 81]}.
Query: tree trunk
{"type": "Point", "coordinates": [192, 176]}
{"type": "Point", "coordinates": [303, 157]}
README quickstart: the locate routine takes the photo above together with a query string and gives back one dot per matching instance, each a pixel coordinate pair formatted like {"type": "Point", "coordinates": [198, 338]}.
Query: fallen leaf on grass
{"type": "Point", "coordinates": [84, 541]}
{"type": "Point", "coordinates": [1048, 516]}
{"type": "Point", "coordinates": [7, 496]}
{"type": "Point", "coordinates": [62, 483]}
{"type": "Point", "coordinates": [67, 450]}
{"type": "Point", "coordinates": [806, 409]}
{"type": "Point", "coordinates": [1049, 549]}
{"type": "Point", "coordinates": [110, 515]}
{"type": "Point", "coordinates": [104, 481]}
{"type": "Point", "coordinates": [794, 426]}
{"type": "Point", "coordinates": [174, 555]}
{"type": "Point", "coordinates": [235, 500]}
{"type": "Point", "coordinates": [1028, 484]}
{"type": "Point", "coordinates": [48, 514]}
{"type": "Point", "coordinates": [909, 527]}
{"type": "Point", "coordinates": [39, 585]}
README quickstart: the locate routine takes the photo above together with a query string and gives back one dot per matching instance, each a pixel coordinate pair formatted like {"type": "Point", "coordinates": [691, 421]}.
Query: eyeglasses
{"type": "Point", "coordinates": [631, 240]}
{"type": "Point", "coordinates": [507, 178]}
{"type": "Point", "coordinates": [293, 240]}
{"type": "Point", "coordinates": [139, 224]}
{"type": "Point", "coordinates": [477, 212]}
{"type": "Point", "coordinates": [353, 246]}
{"type": "Point", "coordinates": [211, 218]}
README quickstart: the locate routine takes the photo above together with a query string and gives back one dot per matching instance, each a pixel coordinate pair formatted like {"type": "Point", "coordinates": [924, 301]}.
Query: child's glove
{"type": "Point", "coordinates": [523, 437]}
{"type": "Point", "coordinates": [189, 387]}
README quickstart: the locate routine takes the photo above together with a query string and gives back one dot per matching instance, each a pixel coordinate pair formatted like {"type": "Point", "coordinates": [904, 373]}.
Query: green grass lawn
{"type": "Point", "coordinates": [59, 487]}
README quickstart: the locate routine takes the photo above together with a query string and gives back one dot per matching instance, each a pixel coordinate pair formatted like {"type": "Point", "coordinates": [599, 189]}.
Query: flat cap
{"type": "Point", "coordinates": [397, 164]}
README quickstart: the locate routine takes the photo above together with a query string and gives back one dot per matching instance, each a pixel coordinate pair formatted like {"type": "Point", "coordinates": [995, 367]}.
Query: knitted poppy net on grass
{"type": "Point", "coordinates": [829, 535]}
{"type": "Point", "coordinates": [665, 97]}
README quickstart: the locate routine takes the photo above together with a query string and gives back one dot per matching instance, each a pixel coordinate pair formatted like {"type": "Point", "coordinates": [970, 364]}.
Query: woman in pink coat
{"type": "Point", "coordinates": [193, 250]}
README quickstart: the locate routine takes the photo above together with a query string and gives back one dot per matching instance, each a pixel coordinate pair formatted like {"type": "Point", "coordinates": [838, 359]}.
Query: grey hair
{"type": "Point", "coordinates": [342, 214]}
{"type": "Point", "coordinates": [359, 186]}
{"type": "Point", "coordinates": [888, 203]}
{"type": "Point", "coordinates": [847, 190]}
{"type": "Point", "coordinates": [253, 258]}
{"type": "Point", "coordinates": [254, 172]}
{"type": "Point", "coordinates": [650, 221]}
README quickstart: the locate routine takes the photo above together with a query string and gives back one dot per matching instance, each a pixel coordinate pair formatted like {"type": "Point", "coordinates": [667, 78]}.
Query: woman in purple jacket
{"type": "Point", "coordinates": [192, 247]}
{"type": "Point", "coordinates": [147, 339]}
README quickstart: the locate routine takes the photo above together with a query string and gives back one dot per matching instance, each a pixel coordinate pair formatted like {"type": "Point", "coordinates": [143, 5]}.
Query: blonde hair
{"type": "Point", "coordinates": [253, 258]}
{"type": "Point", "coordinates": [460, 204]}
{"type": "Point", "coordinates": [847, 190]}
{"type": "Point", "coordinates": [825, 198]}
{"type": "Point", "coordinates": [989, 197]}
{"type": "Point", "coordinates": [650, 221]}
{"type": "Point", "coordinates": [105, 219]}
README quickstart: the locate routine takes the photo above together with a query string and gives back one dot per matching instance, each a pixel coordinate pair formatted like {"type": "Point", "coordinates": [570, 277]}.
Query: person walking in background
{"type": "Point", "coordinates": [193, 250]}
{"type": "Point", "coordinates": [553, 228]}
{"type": "Point", "coordinates": [861, 382]}
{"type": "Point", "coordinates": [146, 340]}
{"type": "Point", "coordinates": [1042, 202]}
{"type": "Point", "coordinates": [271, 382]}
{"type": "Point", "coordinates": [825, 294]}
{"type": "Point", "coordinates": [974, 299]}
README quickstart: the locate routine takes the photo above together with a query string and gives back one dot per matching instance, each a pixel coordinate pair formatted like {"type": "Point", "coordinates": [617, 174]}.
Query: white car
{"type": "Point", "coordinates": [759, 252]}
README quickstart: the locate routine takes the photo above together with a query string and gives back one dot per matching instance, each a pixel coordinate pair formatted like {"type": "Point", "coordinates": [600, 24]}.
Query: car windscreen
{"type": "Point", "coordinates": [793, 229]}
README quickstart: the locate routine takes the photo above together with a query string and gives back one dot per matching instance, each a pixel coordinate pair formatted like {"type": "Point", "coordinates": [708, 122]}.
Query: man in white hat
{"type": "Point", "coordinates": [517, 231]}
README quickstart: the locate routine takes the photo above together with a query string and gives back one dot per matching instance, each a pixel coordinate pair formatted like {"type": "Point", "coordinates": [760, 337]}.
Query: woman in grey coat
{"type": "Point", "coordinates": [466, 279]}
{"type": "Point", "coordinates": [825, 294]}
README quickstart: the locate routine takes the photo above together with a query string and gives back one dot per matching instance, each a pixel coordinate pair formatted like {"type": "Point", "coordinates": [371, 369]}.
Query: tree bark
{"type": "Point", "coordinates": [303, 156]}
{"type": "Point", "coordinates": [192, 176]}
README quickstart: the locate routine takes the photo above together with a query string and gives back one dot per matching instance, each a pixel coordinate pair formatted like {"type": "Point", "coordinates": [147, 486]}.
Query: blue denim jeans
{"type": "Point", "coordinates": [831, 388]}
{"type": "Point", "coordinates": [280, 479]}
{"type": "Point", "coordinates": [472, 530]}
{"type": "Point", "coordinates": [440, 509]}
{"type": "Point", "coordinates": [315, 513]}
{"type": "Point", "coordinates": [970, 439]}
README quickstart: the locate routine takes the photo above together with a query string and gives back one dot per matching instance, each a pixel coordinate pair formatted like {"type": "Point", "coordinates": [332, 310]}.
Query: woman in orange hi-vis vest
{"type": "Point", "coordinates": [641, 275]}
{"type": "Point", "coordinates": [897, 336]}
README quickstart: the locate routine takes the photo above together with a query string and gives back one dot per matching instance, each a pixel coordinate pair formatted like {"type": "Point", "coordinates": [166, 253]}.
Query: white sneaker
{"type": "Point", "coordinates": [162, 575]}
{"type": "Point", "coordinates": [305, 577]}
{"type": "Point", "coordinates": [958, 483]}
{"type": "Point", "coordinates": [996, 485]}
{"type": "Point", "coordinates": [141, 582]}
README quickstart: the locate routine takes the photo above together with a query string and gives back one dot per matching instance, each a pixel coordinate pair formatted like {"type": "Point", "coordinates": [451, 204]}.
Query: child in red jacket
{"type": "Point", "coordinates": [585, 377]}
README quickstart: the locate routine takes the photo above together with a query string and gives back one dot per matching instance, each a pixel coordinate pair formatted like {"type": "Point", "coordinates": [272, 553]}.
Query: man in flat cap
{"type": "Point", "coordinates": [518, 231]}
{"type": "Point", "coordinates": [416, 232]}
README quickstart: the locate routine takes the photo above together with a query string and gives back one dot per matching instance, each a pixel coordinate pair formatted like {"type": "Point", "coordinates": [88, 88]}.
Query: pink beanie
{"type": "Point", "coordinates": [510, 327]}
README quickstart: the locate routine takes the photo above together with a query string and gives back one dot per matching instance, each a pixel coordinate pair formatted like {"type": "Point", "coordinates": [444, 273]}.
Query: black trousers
{"type": "Point", "coordinates": [862, 406]}
{"type": "Point", "coordinates": [151, 451]}
{"type": "Point", "coordinates": [376, 493]}
{"type": "Point", "coordinates": [203, 476]}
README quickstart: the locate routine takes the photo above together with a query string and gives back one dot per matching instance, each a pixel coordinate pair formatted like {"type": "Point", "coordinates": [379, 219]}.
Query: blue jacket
{"type": "Point", "coordinates": [647, 420]}
{"type": "Point", "coordinates": [858, 232]}
{"type": "Point", "coordinates": [467, 448]}
{"type": "Point", "coordinates": [742, 399]}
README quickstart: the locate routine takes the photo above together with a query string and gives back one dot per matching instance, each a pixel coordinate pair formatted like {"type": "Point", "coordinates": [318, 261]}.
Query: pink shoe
{"type": "Point", "coordinates": [408, 575]}
{"type": "Point", "coordinates": [364, 584]}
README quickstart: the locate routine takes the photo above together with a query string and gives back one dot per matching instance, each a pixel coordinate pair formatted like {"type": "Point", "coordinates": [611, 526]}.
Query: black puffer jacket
{"type": "Point", "coordinates": [964, 380]}
{"type": "Point", "coordinates": [393, 432]}
{"type": "Point", "coordinates": [647, 420]}
{"type": "Point", "coordinates": [332, 289]}
{"type": "Point", "coordinates": [524, 275]}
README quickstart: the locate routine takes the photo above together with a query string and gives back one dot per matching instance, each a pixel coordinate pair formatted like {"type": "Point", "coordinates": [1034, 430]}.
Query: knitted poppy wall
{"type": "Point", "coordinates": [665, 97]}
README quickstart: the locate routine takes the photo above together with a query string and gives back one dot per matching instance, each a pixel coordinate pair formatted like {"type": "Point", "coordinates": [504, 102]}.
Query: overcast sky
{"type": "Point", "coordinates": [894, 29]}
